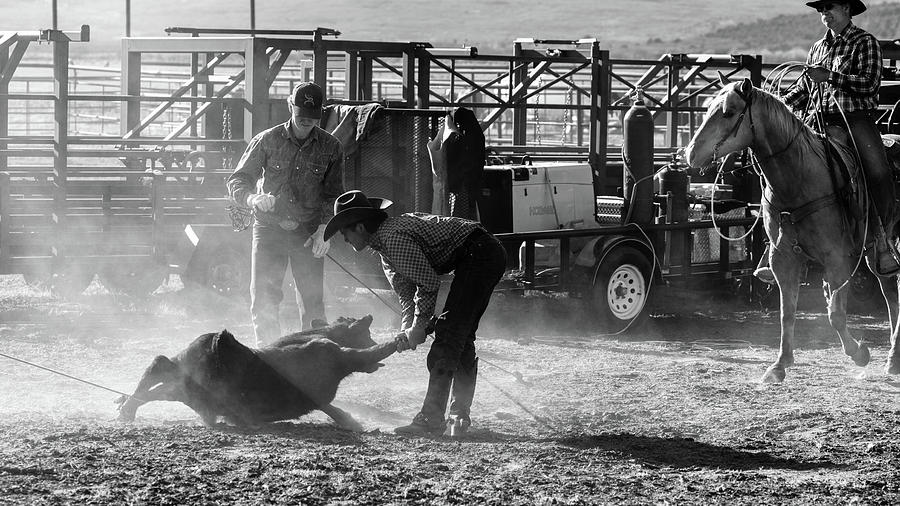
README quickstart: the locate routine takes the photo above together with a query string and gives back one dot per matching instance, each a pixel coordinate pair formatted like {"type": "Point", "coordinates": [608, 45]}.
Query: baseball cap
{"type": "Point", "coordinates": [307, 99]}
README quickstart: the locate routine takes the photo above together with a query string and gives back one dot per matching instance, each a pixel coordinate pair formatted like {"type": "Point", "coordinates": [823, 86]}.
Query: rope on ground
{"type": "Point", "coordinates": [66, 375]}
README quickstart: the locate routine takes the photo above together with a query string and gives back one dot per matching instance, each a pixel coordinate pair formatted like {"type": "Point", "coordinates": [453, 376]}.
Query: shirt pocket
{"type": "Point", "coordinates": [276, 173]}
{"type": "Point", "coordinates": [315, 171]}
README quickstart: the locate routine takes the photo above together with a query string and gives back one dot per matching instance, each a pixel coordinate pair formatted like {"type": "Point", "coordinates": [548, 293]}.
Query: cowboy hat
{"type": "Point", "coordinates": [353, 207]}
{"type": "Point", "coordinates": [856, 6]}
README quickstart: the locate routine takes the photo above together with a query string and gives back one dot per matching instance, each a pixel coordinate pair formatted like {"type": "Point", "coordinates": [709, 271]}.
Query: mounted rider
{"type": "Point", "coordinates": [841, 81]}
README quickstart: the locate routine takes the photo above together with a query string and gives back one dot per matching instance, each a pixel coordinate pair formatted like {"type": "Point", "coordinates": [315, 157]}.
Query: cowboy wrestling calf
{"type": "Point", "coordinates": [217, 376]}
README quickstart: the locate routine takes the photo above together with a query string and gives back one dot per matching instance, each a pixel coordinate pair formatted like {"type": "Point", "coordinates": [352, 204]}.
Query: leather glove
{"type": "Point", "coordinates": [319, 245]}
{"type": "Point", "coordinates": [818, 73]}
{"type": "Point", "coordinates": [264, 202]}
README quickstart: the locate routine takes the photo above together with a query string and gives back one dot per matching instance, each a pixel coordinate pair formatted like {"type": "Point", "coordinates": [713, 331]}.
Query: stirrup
{"type": "Point", "coordinates": [765, 275]}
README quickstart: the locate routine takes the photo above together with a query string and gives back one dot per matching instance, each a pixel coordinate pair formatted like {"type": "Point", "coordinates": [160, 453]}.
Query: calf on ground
{"type": "Point", "coordinates": [217, 376]}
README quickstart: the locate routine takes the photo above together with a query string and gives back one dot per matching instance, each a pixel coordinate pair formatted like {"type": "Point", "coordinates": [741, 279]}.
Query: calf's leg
{"type": "Point", "coordinates": [160, 382]}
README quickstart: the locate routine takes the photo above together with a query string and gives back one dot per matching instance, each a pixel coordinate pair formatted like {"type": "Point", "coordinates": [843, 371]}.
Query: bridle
{"type": "Point", "coordinates": [747, 112]}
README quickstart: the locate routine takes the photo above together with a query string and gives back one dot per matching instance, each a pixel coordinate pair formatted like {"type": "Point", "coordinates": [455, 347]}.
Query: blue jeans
{"type": "Point", "coordinates": [878, 171]}
{"type": "Point", "coordinates": [481, 261]}
{"type": "Point", "coordinates": [273, 248]}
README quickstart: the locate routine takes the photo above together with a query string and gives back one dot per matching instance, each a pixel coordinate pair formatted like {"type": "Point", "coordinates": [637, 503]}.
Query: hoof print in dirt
{"type": "Point", "coordinates": [217, 376]}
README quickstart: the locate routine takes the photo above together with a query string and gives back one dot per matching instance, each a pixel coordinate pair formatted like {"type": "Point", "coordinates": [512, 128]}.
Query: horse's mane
{"type": "Point", "coordinates": [782, 122]}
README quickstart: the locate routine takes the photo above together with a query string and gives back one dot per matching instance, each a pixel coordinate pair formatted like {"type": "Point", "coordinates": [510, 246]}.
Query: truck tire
{"type": "Point", "coordinates": [621, 289]}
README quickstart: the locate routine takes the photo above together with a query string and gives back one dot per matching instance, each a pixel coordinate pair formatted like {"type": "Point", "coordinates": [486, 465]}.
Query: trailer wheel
{"type": "Point", "coordinates": [228, 273]}
{"type": "Point", "coordinates": [621, 289]}
{"type": "Point", "coordinates": [70, 282]}
{"type": "Point", "coordinates": [136, 281]}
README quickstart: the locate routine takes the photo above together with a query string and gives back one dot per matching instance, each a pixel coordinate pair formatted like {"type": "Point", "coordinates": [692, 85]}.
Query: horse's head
{"type": "Point", "coordinates": [724, 129]}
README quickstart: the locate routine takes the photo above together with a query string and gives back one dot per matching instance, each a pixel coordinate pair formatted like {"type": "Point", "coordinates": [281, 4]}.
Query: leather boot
{"type": "Point", "coordinates": [886, 257]}
{"type": "Point", "coordinates": [430, 421]}
{"type": "Point", "coordinates": [461, 401]}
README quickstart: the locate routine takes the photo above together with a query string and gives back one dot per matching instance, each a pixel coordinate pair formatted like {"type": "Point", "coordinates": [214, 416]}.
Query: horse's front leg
{"type": "Point", "coordinates": [837, 316]}
{"type": "Point", "coordinates": [889, 287]}
{"type": "Point", "coordinates": [787, 274]}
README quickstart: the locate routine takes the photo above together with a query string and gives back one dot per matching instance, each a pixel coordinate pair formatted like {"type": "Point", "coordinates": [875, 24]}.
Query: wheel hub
{"type": "Point", "coordinates": [626, 292]}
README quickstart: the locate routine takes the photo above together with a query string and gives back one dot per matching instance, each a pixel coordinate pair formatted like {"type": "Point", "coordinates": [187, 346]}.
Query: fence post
{"type": "Point", "coordinates": [158, 214]}
{"type": "Point", "coordinates": [4, 222]}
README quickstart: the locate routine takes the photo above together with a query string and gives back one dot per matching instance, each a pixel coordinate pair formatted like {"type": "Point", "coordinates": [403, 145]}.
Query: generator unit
{"type": "Point", "coordinates": [543, 196]}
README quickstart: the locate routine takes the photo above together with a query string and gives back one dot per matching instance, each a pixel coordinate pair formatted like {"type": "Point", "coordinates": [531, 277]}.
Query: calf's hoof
{"type": "Point", "coordinates": [862, 356]}
{"type": "Point", "coordinates": [351, 425]}
{"type": "Point", "coordinates": [774, 374]}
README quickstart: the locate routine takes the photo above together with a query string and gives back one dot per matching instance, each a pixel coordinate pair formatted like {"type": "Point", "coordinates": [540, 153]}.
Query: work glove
{"type": "Point", "coordinates": [319, 245]}
{"type": "Point", "coordinates": [264, 202]}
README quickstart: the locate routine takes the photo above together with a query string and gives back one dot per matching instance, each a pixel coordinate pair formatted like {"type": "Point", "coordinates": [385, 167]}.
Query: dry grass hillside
{"type": "Point", "coordinates": [634, 28]}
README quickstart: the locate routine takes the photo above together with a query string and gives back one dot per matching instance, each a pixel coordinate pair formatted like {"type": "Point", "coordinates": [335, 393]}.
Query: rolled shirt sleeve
{"type": "Point", "coordinates": [413, 279]}
{"type": "Point", "coordinates": [242, 182]}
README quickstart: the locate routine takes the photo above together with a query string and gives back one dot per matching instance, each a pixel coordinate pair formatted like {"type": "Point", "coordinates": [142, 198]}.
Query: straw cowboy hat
{"type": "Point", "coordinates": [856, 6]}
{"type": "Point", "coordinates": [353, 207]}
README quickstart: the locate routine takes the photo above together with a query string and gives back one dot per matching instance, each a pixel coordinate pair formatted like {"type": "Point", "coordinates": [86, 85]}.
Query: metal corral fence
{"type": "Point", "coordinates": [105, 167]}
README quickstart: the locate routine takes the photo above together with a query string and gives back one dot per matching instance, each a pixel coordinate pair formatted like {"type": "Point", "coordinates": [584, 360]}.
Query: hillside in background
{"type": "Point", "coordinates": [637, 28]}
{"type": "Point", "coordinates": [780, 38]}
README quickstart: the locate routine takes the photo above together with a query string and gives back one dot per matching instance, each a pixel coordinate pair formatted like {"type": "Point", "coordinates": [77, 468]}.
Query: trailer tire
{"type": "Point", "coordinates": [136, 281]}
{"type": "Point", "coordinates": [70, 282]}
{"type": "Point", "coordinates": [227, 272]}
{"type": "Point", "coordinates": [621, 289]}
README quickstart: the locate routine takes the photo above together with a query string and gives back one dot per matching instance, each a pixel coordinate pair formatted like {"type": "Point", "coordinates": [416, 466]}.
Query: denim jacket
{"type": "Point", "coordinates": [306, 179]}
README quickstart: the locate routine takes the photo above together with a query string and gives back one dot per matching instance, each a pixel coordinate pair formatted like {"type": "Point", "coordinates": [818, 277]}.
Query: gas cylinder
{"type": "Point", "coordinates": [674, 182]}
{"type": "Point", "coordinates": [637, 151]}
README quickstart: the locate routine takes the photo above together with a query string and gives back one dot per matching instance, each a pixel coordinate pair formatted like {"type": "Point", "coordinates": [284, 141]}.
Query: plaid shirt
{"type": "Point", "coordinates": [854, 58]}
{"type": "Point", "coordinates": [416, 248]}
{"type": "Point", "coordinates": [306, 178]}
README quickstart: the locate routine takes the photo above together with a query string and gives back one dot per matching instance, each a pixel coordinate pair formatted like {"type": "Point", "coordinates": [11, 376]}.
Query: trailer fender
{"type": "Point", "coordinates": [598, 247]}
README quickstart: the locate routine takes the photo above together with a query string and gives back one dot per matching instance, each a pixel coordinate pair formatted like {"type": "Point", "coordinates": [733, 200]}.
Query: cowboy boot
{"type": "Point", "coordinates": [461, 401]}
{"type": "Point", "coordinates": [887, 262]}
{"type": "Point", "coordinates": [430, 421]}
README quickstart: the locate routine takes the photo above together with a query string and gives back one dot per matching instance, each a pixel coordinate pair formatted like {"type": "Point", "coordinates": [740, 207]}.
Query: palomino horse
{"type": "Point", "coordinates": [801, 213]}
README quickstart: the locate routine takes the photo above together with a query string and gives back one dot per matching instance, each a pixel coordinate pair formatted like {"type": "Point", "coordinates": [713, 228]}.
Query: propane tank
{"type": "Point", "coordinates": [674, 182]}
{"type": "Point", "coordinates": [637, 151]}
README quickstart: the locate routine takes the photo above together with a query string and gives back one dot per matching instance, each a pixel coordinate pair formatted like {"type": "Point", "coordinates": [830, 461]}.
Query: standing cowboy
{"type": "Point", "coordinates": [290, 176]}
{"type": "Point", "coordinates": [846, 64]}
{"type": "Point", "coordinates": [416, 248]}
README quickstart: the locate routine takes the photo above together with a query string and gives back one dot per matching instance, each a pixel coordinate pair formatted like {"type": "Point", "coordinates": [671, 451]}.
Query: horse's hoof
{"type": "Point", "coordinates": [862, 356]}
{"type": "Point", "coordinates": [893, 366]}
{"type": "Point", "coordinates": [774, 374]}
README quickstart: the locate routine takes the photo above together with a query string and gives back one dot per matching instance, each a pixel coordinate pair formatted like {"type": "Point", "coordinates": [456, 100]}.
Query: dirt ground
{"type": "Point", "coordinates": [672, 414]}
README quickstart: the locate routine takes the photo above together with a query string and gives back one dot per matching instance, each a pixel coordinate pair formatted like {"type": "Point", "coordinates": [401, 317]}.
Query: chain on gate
{"type": "Point", "coordinates": [567, 119]}
{"type": "Point", "coordinates": [536, 117]}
